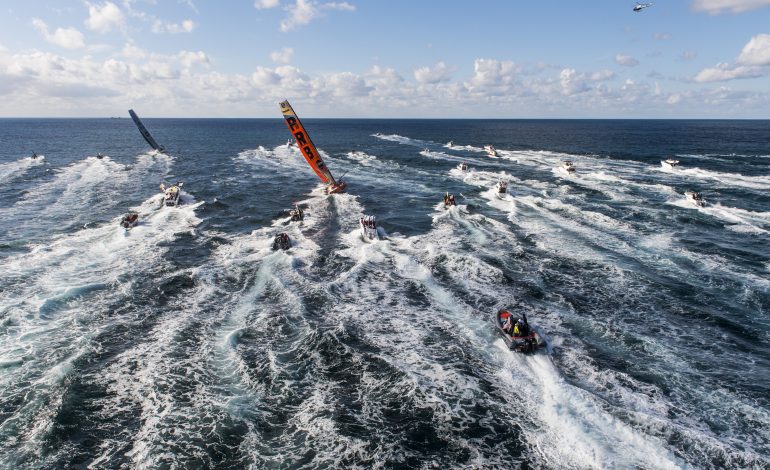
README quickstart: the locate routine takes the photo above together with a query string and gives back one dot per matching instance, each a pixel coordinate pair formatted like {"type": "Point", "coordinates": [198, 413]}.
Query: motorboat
{"type": "Point", "coordinates": [568, 166]}
{"type": "Point", "coordinates": [450, 144]}
{"type": "Point", "coordinates": [368, 224]}
{"type": "Point", "coordinates": [289, 143]}
{"type": "Point", "coordinates": [129, 220]}
{"type": "Point", "coordinates": [281, 242]}
{"type": "Point", "coordinates": [449, 200]}
{"type": "Point", "coordinates": [669, 163]}
{"type": "Point", "coordinates": [99, 156]}
{"type": "Point", "coordinates": [490, 151]}
{"type": "Point", "coordinates": [516, 331]}
{"type": "Point", "coordinates": [296, 214]}
{"type": "Point", "coordinates": [501, 187]}
{"type": "Point", "coordinates": [462, 166]}
{"type": "Point", "coordinates": [171, 195]}
{"type": "Point", "coordinates": [695, 198]}
{"type": "Point", "coordinates": [34, 155]}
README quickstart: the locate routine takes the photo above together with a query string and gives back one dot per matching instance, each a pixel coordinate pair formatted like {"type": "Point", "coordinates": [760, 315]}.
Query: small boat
{"type": "Point", "coordinates": [281, 242]}
{"type": "Point", "coordinates": [450, 144]}
{"type": "Point", "coordinates": [462, 167]}
{"type": "Point", "coordinates": [171, 195]}
{"type": "Point", "coordinates": [695, 198]}
{"type": "Point", "coordinates": [289, 143]}
{"type": "Point", "coordinates": [99, 156]}
{"type": "Point", "coordinates": [515, 330]}
{"type": "Point", "coordinates": [129, 220]}
{"type": "Point", "coordinates": [490, 151]}
{"type": "Point", "coordinates": [296, 214]}
{"type": "Point", "coordinates": [368, 224]}
{"type": "Point", "coordinates": [502, 187]}
{"type": "Point", "coordinates": [309, 150]}
{"type": "Point", "coordinates": [568, 166]}
{"type": "Point", "coordinates": [449, 200]}
{"type": "Point", "coordinates": [34, 155]}
{"type": "Point", "coordinates": [145, 133]}
{"type": "Point", "coordinates": [669, 163]}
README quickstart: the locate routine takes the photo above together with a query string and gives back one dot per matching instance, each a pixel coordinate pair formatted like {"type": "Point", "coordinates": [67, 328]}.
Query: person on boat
{"type": "Point", "coordinates": [508, 325]}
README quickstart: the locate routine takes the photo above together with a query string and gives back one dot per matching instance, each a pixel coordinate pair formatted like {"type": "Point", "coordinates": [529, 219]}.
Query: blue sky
{"type": "Point", "coordinates": [386, 58]}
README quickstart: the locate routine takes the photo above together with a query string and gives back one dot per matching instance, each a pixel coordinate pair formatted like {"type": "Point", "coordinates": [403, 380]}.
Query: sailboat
{"type": "Point", "coordinates": [309, 151]}
{"type": "Point", "coordinates": [145, 133]}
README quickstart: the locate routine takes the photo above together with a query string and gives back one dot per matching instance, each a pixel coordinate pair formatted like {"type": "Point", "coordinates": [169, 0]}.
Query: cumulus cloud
{"type": "Point", "coordinates": [265, 4]}
{"type": "Point", "coordinates": [436, 74]}
{"type": "Point", "coordinates": [715, 7]}
{"type": "Point", "coordinates": [130, 51]}
{"type": "Point", "coordinates": [305, 11]}
{"type": "Point", "coordinates": [752, 62]}
{"type": "Point", "coordinates": [572, 82]}
{"type": "Point", "coordinates": [103, 18]}
{"type": "Point", "coordinates": [188, 59]}
{"type": "Point", "coordinates": [491, 72]}
{"type": "Point", "coordinates": [68, 38]}
{"type": "Point", "coordinates": [626, 60]}
{"type": "Point", "coordinates": [283, 56]}
{"type": "Point", "coordinates": [159, 27]}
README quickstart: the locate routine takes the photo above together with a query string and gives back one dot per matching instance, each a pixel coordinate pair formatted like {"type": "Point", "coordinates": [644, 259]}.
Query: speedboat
{"type": "Point", "coordinates": [34, 155]}
{"type": "Point", "coordinates": [281, 242]}
{"type": "Point", "coordinates": [462, 166]}
{"type": "Point", "coordinates": [171, 194]}
{"type": "Point", "coordinates": [368, 225]}
{"type": "Point", "coordinates": [490, 151]}
{"type": "Point", "coordinates": [516, 331]}
{"type": "Point", "coordinates": [695, 198]}
{"type": "Point", "coordinates": [336, 187]}
{"type": "Point", "coordinates": [99, 156]}
{"type": "Point", "coordinates": [568, 166]}
{"type": "Point", "coordinates": [502, 187]}
{"type": "Point", "coordinates": [449, 200]}
{"type": "Point", "coordinates": [669, 163]}
{"type": "Point", "coordinates": [289, 143]}
{"type": "Point", "coordinates": [450, 144]}
{"type": "Point", "coordinates": [129, 220]}
{"type": "Point", "coordinates": [296, 214]}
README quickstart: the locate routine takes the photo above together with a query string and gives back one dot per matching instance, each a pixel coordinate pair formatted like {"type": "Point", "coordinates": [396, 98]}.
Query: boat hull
{"type": "Point", "coordinates": [523, 344]}
{"type": "Point", "coordinates": [337, 188]}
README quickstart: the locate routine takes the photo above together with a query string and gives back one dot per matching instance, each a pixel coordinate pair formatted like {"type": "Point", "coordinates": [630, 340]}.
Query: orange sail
{"type": "Point", "coordinates": [305, 144]}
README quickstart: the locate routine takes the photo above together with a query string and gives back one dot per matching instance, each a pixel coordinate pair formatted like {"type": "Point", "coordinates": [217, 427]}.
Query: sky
{"type": "Point", "coordinates": [386, 58]}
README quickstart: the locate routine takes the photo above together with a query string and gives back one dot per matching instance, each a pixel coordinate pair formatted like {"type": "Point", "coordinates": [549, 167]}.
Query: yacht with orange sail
{"type": "Point", "coordinates": [309, 150]}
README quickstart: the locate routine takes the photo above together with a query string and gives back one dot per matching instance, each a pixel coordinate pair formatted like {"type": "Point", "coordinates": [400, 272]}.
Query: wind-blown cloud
{"type": "Point", "coordinates": [68, 38]}
{"type": "Point", "coordinates": [716, 7]}
{"type": "Point", "coordinates": [283, 56]}
{"type": "Point", "coordinates": [266, 4]}
{"type": "Point", "coordinates": [102, 18]}
{"type": "Point", "coordinates": [186, 26]}
{"type": "Point", "coordinates": [626, 60]}
{"type": "Point", "coordinates": [305, 11]}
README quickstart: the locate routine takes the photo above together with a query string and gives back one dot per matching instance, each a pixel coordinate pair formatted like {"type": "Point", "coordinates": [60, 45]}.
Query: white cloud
{"type": "Point", "coordinates": [105, 17]}
{"type": "Point", "coordinates": [130, 51]}
{"type": "Point", "coordinates": [756, 51]}
{"type": "Point", "coordinates": [572, 82]}
{"type": "Point", "coordinates": [661, 36]}
{"type": "Point", "coordinates": [492, 73]}
{"type": "Point", "coordinates": [265, 4]}
{"type": "Point", "coordinates": [688, 55]}
{"type": "Point", "coordinates": [626, 60]}
{"type": "Point", "coordinates": [159, 27]}
{"type": "Point", "coordinates": [602, 75]}
{"type": "Point", "coordinates": [724, 72]}
{"type": "Point", "coordinates": [439, 73]}
{"type": "Point", "coordinates": [188, 59]}
{"type": "Point", "coordinates": [715, 7]}
{"type": "Point", "coordinates": [305, 11]}
{"type": "Point", "coordinates": [68, 38]}
{"type": "Point", "coordinates": [283, 56]}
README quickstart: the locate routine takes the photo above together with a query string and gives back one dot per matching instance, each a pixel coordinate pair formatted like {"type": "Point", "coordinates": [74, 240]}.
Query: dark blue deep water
{"type": "Point", "coordinates": [187, 342]}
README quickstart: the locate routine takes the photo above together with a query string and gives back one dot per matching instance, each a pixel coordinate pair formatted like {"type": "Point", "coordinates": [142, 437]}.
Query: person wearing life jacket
{"type": "Point", "coordinates": [508, 325]}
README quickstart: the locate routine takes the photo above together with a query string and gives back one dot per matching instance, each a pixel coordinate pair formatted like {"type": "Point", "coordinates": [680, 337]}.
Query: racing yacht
{"type": "Point", "coordinates": [368, 225]}
{"type": "Point", "coordinates": [129, 220]}
{"type": "Point", "coordinates": [171, 194]}
{"type": "Point", "coordinates": [516, 331]}
{"type": "Point", "coordinates": [462, 166]}
{"type": "Point", "coordinates": [501, 187]}
{"type": "Point", "coordinates": [695, 198]}
{"type": "Point", "coordinates": [568, 166]}
{"type": "Point", "coordinates": [490, 151]}
{"type": "Point", "coordinates": [281, 242]}
{"type": "Point", "coordinates": [296, 213]}
{"type": "Point", "coordinates": [669, 163]}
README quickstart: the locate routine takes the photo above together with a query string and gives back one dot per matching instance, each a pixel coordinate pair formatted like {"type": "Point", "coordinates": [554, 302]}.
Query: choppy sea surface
{"type": "Point", "coordinates": [187, 342]}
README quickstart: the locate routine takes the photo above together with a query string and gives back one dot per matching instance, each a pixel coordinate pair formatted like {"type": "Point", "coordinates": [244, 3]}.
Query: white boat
{"type": "Point", "coordinates": [568, 166]}
{"type": "Point", "coordinates": [289, 143]}
{"type": "Point", "coordinates": [490, 151]}
{"type": "Point", "coordinates": [501, 187]}
{"type": "Point", "coordinates": [695, 198]}
{"type": "Point", "coordinates": [368, 224]}
{"type": "Point", "coordinates": [171, 195]}
{"type": "Point", "coordinates": [669, 163]}
{"type": "Point", "coordinates": [462, 166]}
{"type": "Point", "coordinates": [450, 144]}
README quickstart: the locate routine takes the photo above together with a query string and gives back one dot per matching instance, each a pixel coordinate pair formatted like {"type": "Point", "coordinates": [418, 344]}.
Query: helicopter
{"type": "Point", "coordinates": [641, 6]}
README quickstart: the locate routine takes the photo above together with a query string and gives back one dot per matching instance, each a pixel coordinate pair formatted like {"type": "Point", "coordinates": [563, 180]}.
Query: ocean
{"type": "Point", "coordinates": [187, 342]}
